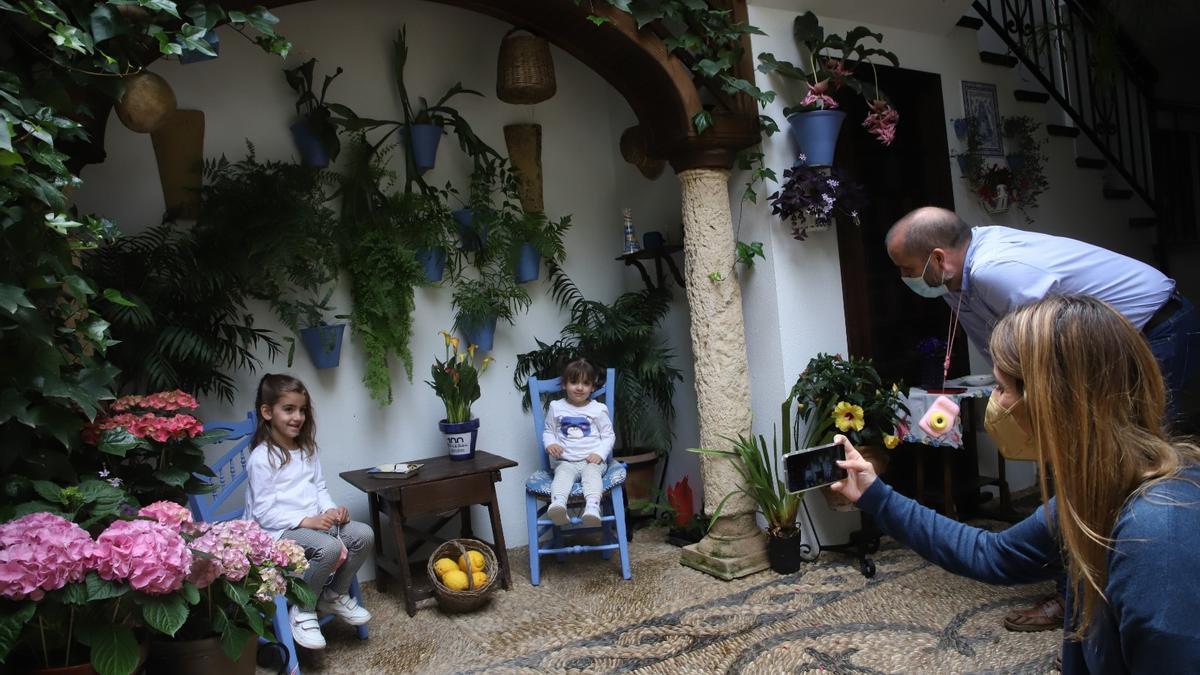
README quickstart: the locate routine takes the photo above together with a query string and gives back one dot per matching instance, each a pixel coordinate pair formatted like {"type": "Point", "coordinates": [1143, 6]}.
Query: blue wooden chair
{"type": "Point", "coordinates": [546, 538]}
{"type": "Point", "coordinates": [231, 474]}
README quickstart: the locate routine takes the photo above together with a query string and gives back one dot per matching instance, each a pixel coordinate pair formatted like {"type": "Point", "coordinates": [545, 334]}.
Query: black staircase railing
{"type": "Point", "coordinates": [1081, 66]}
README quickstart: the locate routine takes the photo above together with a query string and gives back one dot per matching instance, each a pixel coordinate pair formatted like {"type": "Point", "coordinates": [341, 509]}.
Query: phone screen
{"type": "Point", "coordinates": [813, 467]}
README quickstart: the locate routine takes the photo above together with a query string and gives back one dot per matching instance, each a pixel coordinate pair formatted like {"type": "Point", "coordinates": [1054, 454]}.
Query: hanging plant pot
{"type": "Point", "coordinates": [190, 56]}
{"type": "Point", "coordinates": [433, 262]}
{"type": "Point", "coordinates": [312, 151]}
{"type": "Point", "coordinates": [816, 133]}
{"type": "Point", "coordinates": [481, 334]}
{"type": "Point", "coordinates": [423, 141]}
{"type": "Point", "coordinates": [324, 344]}
{"type": "Point", "coordinates": [961, 128]}
{"type": "Point", "coordinates": [529, 263]}
{"type": "Point", "coordinates": [470, 238]}
{"type": "Point", "coordinates": [460, 438]}
{"type": "Point", "coordinates": [147, 101]}
{"type": "Point", "coordinates": [784, 553]}
{"type": "Point", "coordinates": [524, 69]}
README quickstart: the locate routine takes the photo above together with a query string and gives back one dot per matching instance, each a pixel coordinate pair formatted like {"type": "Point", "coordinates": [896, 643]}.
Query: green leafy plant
{"type": "Point", "coordinates": [762, 477]}
{"type": "Point", "coordinates": [477, 301]}
{"type": "Point", "coordinates": [312, 108]}
{"type": "Point", "coordinates": [747, 252]}
{"type": "Point", "coordinates": [1023, 176]}
{"type": "Point", "coordinates": [622, 335]}
{"type": "Point", "coordinates": [455, 379]}
{"type": "Point", "coordinates": [847, 396]}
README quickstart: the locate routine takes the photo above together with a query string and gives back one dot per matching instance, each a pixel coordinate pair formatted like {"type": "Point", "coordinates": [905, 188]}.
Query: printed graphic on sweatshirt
{"type": "Point", "coordinates": [574, 427]}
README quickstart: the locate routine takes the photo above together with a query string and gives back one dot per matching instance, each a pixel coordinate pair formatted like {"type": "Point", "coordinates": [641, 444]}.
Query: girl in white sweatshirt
{"type": "Point", "coordinates": [579, 438]}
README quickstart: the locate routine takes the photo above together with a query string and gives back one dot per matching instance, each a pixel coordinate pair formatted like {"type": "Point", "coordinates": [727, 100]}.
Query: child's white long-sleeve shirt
{"type": "Point", "coordinates": [278, 498]}
{"type": "Point", "coordinates": [581, 430]}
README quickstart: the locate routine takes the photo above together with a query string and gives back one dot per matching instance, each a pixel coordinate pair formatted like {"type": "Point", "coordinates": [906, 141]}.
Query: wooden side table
{"type": "Point", "coordinates": [441, 485]}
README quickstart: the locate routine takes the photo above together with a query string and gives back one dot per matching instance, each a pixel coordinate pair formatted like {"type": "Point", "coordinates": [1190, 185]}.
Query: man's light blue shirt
{"type": "Point", "coordinates": [1006, 268]}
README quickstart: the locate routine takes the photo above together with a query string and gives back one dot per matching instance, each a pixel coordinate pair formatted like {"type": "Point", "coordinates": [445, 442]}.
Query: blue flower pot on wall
{"type": "Point", "coordinates": [816, 134]}
{"type": "Point", "coordinates": [529, 264]}
{"type": "Point", "coordinates": [469, 237]}
{"type": "Point", "coordinates": [324, 344]}
{"type": "Point", "coordinates": [482, 334]}
{"type": "Point", "coordinates": [960, 128]}
{"type": "Point", "coordinates": [190, 56]}
{"type": "Point", "coordinates": [312, 152]}
{"type": "Point", "coordinates": [1015, 162]}
{"type": "Point", "coordinates": [423, 141]}
{"type": "Point", "coordinates": [460, 438]}
{"type": "Point", "coordinates": [433, 262]}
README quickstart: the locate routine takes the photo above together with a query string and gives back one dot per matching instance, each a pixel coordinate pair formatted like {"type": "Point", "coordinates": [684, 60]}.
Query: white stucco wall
{"type": "Point", "coordinates": [794, 302]}
{"type": "Point", "coordinates": [244, 95]}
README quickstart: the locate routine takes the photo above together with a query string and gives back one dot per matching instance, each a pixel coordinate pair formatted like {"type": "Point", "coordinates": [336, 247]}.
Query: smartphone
{"type": "Point", "coordinates": [813, 467]}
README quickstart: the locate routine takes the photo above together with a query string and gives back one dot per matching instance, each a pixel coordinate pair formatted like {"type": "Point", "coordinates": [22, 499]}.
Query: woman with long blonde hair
{"type": "Point", "coordinates": [1078, 382]}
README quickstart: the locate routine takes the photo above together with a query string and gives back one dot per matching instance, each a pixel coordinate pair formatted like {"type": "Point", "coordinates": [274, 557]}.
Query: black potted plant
{"type": "Point", "coordinates": [623, 335]}
{"type": "Point", "coordinates": [315, 133]}
{"type": "Point", "coordinates": [811, 198]}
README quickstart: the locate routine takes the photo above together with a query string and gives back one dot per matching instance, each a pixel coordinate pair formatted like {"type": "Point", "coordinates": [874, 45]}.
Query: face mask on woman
{"type": "Point", "coordinates": [1001, 424]}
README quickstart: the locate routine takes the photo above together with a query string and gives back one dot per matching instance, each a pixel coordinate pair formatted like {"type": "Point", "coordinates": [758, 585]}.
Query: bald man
{"type": "Point", "coordinates": [986, 272]}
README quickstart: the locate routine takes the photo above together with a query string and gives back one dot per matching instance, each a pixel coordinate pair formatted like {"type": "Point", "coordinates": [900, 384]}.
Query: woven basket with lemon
{"type": "Point", "coordinates": [463, 572]}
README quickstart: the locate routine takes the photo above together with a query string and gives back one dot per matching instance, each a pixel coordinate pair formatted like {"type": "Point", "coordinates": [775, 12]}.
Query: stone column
{"type": "Point", "coordinates": [734, 546]}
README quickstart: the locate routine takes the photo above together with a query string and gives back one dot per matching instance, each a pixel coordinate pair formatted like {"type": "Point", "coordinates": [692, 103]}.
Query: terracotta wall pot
{"type": "Point", "coordinates": [147, 101]}
{"type": "Point", "coordinates": [198, 657]}
{"type": "Point", "coordinates": [879, 459]}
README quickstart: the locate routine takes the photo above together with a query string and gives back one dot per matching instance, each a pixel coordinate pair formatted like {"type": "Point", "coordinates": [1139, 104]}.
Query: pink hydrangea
{"type": "Point", "coordinates": [147, 425]}
{"type": "Point", "coordinates": [205, 570]}
{"type": "Point", "coordinates": [233, 546]}
{"type": "Point", "coordinates": [272, 583]}
{"type": "Point", "coordinates": [152, 557]}
{"type": "Point", "coordinates": [292, 556]}
{"type": "Point", "coordinates": [163, 400]}
{"type": "Point", "coordinates": [42, 552]}
{"type": "Point", "coordinates": [174, 516]}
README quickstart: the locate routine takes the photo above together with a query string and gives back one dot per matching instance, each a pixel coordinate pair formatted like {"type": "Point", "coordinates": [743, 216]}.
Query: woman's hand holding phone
{"type": "Point", "coordinates": [861, 473]}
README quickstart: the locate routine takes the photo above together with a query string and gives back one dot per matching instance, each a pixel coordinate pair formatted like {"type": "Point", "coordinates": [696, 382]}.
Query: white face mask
{"type": "Point", "coordinates": [922, 287]}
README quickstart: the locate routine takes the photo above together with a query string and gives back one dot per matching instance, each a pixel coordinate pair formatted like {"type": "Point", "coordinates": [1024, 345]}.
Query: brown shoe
{"type": "Point", "coordinates": [1046, 614]}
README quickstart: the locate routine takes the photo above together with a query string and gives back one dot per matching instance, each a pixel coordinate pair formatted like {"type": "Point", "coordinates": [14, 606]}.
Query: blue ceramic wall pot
{"type": "Point", "coordinates": [460, 438]}
{"type": "Point", "coordinates": [529, 264]}
{"type": "Point", "coordinates": [1016, 162]}
{"type": "Point", "coordinates": [324, 344]}
{"type": "Point", "coordinates": [816, 134]}
{"type": "Point", "coordinates": [470, 237]}
{"type": "Point", "coordinates": [481, 334]}
{"type": "Point", "coordinates": [423, 140]}
{"type": "Point", "coordinates": [433, 262]}
{"type": "Point", "coordinates": [312, 152]}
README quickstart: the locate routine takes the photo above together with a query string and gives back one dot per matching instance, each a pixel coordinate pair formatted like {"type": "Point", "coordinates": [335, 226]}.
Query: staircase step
{"type": "Point", "coordinates": [1061, 130]}
{"type": "Point", "coordinates": [1142, 223]}
{"type": "Point", "coordinates": [1090, 163]}
{"type": "Point", "coordinates": [972, 22]}
{"type": "Point", "coordinates": [1117, 193]}
{"type": "Point", "coordinates": [998, 59]}
{"type": "Point", "coordinates": [1031, 96]}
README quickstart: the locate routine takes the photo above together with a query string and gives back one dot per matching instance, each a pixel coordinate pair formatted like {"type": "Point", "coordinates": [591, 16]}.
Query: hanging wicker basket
{"type": "Point", "coordinates": [474, 597]}
{"type": "Point", "coordinates": [524, 69]}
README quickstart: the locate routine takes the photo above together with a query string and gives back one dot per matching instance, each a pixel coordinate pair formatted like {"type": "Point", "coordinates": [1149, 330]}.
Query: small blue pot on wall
{"type": "Point", "coordinates": [482, 334]}
{"type": "Point", "coordinates": [324, 344]}
{"type": "Point", "coordinates": [424, 140]}
{"type": "Point", "coordinates": [312, 152]}
{"type": "Point", "coordinates": [470, 238]}
{"type": "Point", "coordinates": [816, 134]}
{"type": "Point", "coordinates": [529, 264]}
{"type": "Point", "coordinates": [433, 262]}
{"type": "Point", "coordinates": [1015, 162]}
{"type": "Point", "coordinates": [460, 438]}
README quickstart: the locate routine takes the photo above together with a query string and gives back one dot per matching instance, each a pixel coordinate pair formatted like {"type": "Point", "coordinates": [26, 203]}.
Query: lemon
{"type": "Point", "coordinates": [455, 580]}
{"type": "Point", "coordinates": [444, 565]}
{"type": "Point", "coordinates": [479, 578]}
{"type": "Point", "coordinates": [476, 561]}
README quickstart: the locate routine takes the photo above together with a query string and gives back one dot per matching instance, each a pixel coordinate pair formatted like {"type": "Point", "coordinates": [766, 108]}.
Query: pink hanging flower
{"type": "Point", "coordinates": [42, 552]}
{"type": "Point", "coordinates": [174, 516]}
{"type": "Point", "coordinates": [150, 555]}
{"type": "Point", "coordinates": [837, 72]}
{"type": "Point", "coordinates": [817, 98]}
{"type": "Point", "coordinates": [881, 121]}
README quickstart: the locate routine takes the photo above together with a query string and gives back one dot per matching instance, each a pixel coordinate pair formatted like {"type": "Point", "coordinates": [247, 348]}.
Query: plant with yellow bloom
{"type": "Point", "coordinates": [846, 395]}
{"type": "Point", "coordinates": [456, 379]}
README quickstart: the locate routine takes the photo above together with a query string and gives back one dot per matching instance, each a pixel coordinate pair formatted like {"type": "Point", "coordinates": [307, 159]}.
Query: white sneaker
{"type": "Point", "coordinates": [343, 607]}
{"type": "Point", "coordinates": [306, 630]}
{"type": "Point", "coordinates": [591, 515]}
{"type": "Point", "coordinates": [557, 513]}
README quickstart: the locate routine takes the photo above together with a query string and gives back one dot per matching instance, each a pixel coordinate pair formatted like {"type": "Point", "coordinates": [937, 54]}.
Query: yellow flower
{"type": "Point", "coordinates": [453, 342]}
{"type": "Point", "coordinates": [446, 336]}
{"type": "Point", "coordinates": [471, 351]}
{"type": "Point", "coordinates": [894, 387]}
{"type": "Point", "coordinates": [848, 416]}
{"type": "Point", "coordinates": [890, 441]}
{"type": "Point", "coordinates": [486, 361]}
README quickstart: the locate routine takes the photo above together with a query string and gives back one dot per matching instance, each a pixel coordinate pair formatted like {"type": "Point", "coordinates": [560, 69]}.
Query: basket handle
{"type": "Point", "coordinates": [465, 554]}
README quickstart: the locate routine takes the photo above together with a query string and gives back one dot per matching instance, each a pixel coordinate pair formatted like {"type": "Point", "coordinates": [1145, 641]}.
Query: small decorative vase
{"type": "Point", "coordinates": [324, 344]}
{"type": "Point", "coordinates": [312, 151]}
{"type": "Point", "coordinates": [653, 240]}
{"type": "Point", "coordinates": [482, 334]}
{"type": "Point", "coordinates": [460, 438]}
{"type": "Point", "coordinates": [529, 264]}
{"type": "Point", "coordinates": [433, 262]}
{"type": "Point", "coordinates": [816, 134]}
{"type": "Point", "coordinates": [631, 243]}
{"type": "Point", "coordinates": [424, 140]}
{"type": "Point", "coordinates": [932, 368]}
